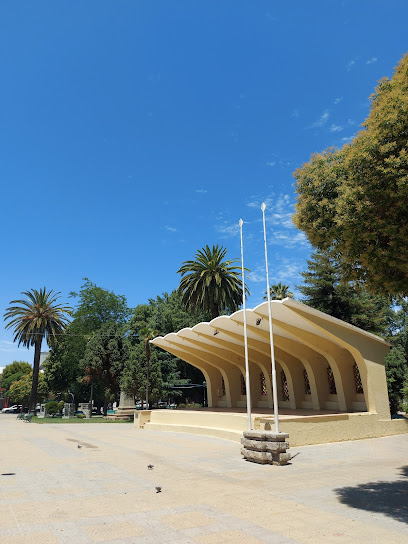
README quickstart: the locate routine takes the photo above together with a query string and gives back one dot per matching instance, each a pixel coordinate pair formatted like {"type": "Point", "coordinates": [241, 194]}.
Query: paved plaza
{"type": "Point", "coordinates": [104, 492]}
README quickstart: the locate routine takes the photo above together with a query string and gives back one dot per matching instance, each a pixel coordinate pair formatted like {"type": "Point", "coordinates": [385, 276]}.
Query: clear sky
{"type": "Point", "coordinates": [134, 132]}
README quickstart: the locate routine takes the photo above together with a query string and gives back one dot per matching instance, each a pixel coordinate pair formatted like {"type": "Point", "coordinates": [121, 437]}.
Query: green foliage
{"type": "Point", "coordinates": [104, 359]}
{"type": "Point", "coordinates": [209, 283]}
{"type": "Point", "coordinates": [63, 370]}
{"type": "Point", "coordinates": [405, 397]}
{"type": "Point", "coordinates": [397, 375]}
{"type": "Point", "coordinates": [37, 317]}
{"type": "Point", "coordinates": [20, 390]}
{"type": "Point", "coordinates": [355, 200]}
{"type": "Point", "coordinates": [134, 376]}
{"type": "Point", "coordinates": [166, 314]}
{"type": "Point", "coordinates": [80, 416]}
{"type": "Point", "coordinates": [13, 373]}
{"type": "Point", "coordinates": [52, 408]}
{"type": "Point", "coordinates": [326, 290]}
{"type": "Point", "coordinates": [279, 291]}
{"type": "Point", "coordinates": [98, 306]}
{"type": "Point", "coordinates": [189, 406]}
{"type": "Point", "coordinates": [33, 319]}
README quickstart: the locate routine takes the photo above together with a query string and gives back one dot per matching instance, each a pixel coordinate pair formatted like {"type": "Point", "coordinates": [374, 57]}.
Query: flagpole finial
{"type": "Point", "coordinates": [240, 223]}
{"type": "Point", "coordinates": [263, 206]}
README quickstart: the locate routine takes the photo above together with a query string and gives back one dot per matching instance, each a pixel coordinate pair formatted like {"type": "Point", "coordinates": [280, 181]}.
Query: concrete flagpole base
{"type": "Point", "coordinates": [266, 448]}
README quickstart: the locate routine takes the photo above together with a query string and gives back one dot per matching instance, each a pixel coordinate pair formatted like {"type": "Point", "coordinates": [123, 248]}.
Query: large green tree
{"type": "Point", "coordinates": [135, 379]}
{"type": "Point", "coordinates": [13, 373]}
{"type": "Point", "coordinates": [354, 200]}
{"type": "Point", "coordinates": [211, 283]}
{"type": "Point", "coordinates": [33, 319]}
{"type": "Point", "coordinates": [20, 390]}
{"type": "Point", "coordinates": [104, 360]}
{"type": "Point", "coordinates": [95, 308]}
{"type": "Point", "coordinates": [97, 305]}
{"type": "Point", "coordinates": [325, 289]}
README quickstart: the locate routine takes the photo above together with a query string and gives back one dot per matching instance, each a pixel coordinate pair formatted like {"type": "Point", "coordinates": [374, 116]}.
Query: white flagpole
{"type": "Point", "coordinates": [275, 389]}
{"type": "Point", "coordinates": [247, 383]}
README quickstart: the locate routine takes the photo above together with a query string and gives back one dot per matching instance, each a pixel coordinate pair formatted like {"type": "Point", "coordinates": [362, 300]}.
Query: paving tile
{"type": "Point", "coordinates": [111, 531]}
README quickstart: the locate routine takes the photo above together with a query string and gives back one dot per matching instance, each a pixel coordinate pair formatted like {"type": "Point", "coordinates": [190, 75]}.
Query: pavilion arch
{"type": "Point", "coordinates": [342, 365]}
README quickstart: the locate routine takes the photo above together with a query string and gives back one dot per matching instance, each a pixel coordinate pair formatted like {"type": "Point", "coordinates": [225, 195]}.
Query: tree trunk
{"type": "Point", "coordinates": [36, 369]}
{"type": "Point", "coordinates": [147, 378]}
{"type": "Point", "coordinates": [215, 312]}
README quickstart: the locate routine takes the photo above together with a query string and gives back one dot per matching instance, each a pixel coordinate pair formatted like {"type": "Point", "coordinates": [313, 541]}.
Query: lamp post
{"type": "Point", "coordinates": [275, 392]}
{"type": "Point", "coordinates": [204, 388]}
{"type": "Point", "coordinates": [247, 382]}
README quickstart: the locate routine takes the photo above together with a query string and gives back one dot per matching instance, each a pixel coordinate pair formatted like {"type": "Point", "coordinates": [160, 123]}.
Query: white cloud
{"type": "Point", "coordinates": [347, 138]}
{"type": "Point", "coordinates": [295, 113]}
{"type": "Point", "coordinates": [350, 65]}
{"type": "Point", "coordinates": [170, 229]}
{"type": "Point", "coordinates": [228, 230]}
{"type": "Point", "coordinates": [271, 163]}
{"type": "Point", "coordinates": [288, 239]}
{"type": "Point", "coordinates": [321, 121]}
{"type": "Point", "coordinates": [336, 128]}
{"type": "Point", "coordinates": [278, 213]}
{"type": "Point", "coordinates": [201, 191]}
{"type": "Point", "coordinates": [338, 100]}
{"type": "Point", "coordinates": [372, 60]}
{"type": "Point", "coordinates": [351, 122]}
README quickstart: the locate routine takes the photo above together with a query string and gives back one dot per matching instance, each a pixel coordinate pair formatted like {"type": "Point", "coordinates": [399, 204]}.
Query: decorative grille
{"type": "Point", "coordinates": [243, 386]}
{"type": "Point", "coordinates": [357, 379]}
{"type": "Point", "coordinates": [285, 389]}
{"type": "Point", "coordinates": [264, 390]}
{"type": "Point", "coordinates": [223, 386]}
{"type": "Point", "coordinates": [307, 384]}
{"type": "Point", "coordinates": [332, 383]}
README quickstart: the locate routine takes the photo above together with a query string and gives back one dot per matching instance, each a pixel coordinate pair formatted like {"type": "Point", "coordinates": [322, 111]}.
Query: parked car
{"type": "Point", "coordinates": [15, 409]}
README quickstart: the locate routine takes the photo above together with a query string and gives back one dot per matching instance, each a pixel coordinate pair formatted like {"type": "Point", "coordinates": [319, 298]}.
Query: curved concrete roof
{"type": "Point", "coordinates": [293, 322]}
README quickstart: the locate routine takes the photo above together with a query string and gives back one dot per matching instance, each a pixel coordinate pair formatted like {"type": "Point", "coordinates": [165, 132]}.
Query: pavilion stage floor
{"type": "Point", "coordinates": [303, 426]}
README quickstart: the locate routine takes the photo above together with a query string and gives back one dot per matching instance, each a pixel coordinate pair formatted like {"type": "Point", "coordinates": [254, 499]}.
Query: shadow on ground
{"type": "Point", "coordinates": [389, 498]}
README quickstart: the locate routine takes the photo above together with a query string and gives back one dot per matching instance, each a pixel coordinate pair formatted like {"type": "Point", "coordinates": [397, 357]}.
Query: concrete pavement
{"type": "Point", "coordinates": [104, 492]}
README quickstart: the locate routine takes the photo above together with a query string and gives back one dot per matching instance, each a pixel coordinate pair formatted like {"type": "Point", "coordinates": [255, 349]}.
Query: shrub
{"type": "Point", "coordinates": [189, 406]}
{"type": "Point", "coordinates": [80, 416]}
{"type": "Point", "coordinates": [52, 408]}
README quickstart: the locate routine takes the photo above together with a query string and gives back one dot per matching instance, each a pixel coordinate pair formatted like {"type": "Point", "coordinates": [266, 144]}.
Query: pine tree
{"type": "Point", "coordinates": [326, 290]}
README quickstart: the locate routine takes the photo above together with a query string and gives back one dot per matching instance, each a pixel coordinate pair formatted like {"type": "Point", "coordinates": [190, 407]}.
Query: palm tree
{"type": "Point", "coordinates": [211, 284]}
{"type": "Point", "coordinates": [148, 334]}
{"type": "Point", "coordinates": [33, 319]}
{"type": "Point", "coordinates": [279, 292]}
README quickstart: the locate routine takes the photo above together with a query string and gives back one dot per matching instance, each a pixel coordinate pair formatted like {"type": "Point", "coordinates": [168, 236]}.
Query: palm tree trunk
{"type": "Point", "coordinates": [36, 369]}
{"type": "Point", "coordinates": [215, 312]}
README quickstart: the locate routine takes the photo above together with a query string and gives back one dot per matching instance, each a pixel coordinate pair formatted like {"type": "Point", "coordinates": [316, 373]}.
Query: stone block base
{"type": "Point", "coordinates": [266, 448]}
{"type": "Point", "coordinates": [122, 414]}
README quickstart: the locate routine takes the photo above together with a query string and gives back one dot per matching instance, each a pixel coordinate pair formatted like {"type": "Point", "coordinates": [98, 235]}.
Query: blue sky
{"type": "Point", "coordinates": [132, 133]}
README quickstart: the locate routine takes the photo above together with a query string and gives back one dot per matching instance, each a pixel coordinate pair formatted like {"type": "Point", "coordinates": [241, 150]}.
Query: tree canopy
{"type": "Point", "coordinates": [211, 283]}
{"type": "Point", "coordinates": [13, 373]}
{"type": "Point", "coordinates": [279, 291]}
{"type": "Point", "coordinates": [354, 200]}
{"type": "Point", "coordinates": [325, 289]}
{"type": "Point", "coordinates": [34, 318]}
